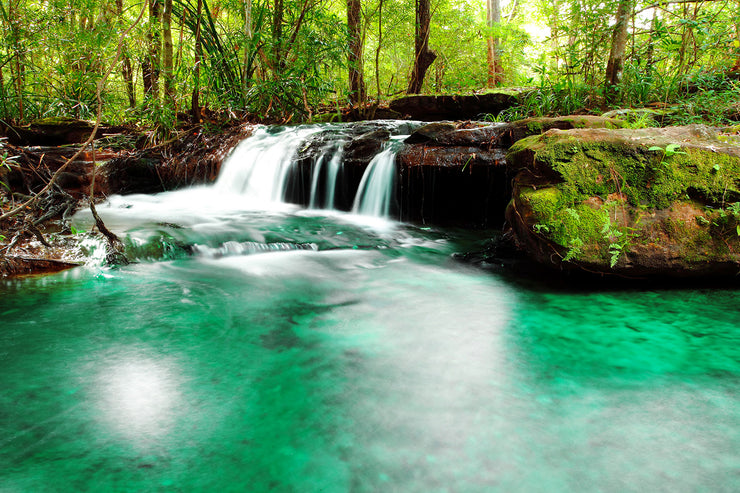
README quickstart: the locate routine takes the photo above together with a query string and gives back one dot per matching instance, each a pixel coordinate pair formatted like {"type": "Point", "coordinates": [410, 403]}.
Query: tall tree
{"type": "Point", "coordinates": [247, 50]}
{"type": "Point", "coordinates": [615, 63]}
{"type": "Point", "coordinates": [423, 56]}
{"type": "Point", "coordinates": [127, 71]}
{"type": "Point", "coordinates": [277, 35]}
{"type": "Point", "coordinates": [16, 52]}
{"type": "Point", "coordinates": [377, 50]}
{"type": "Point", "coordinates": [167, 62]}
{"type": "Point", "coordinates": [151, 64]}
{"type": "Point", "coordinates": [195, 100]}
{"type": "Point", "coordinates": [354, 25]}
{"type": "Point", "coordinates": [493, 21]}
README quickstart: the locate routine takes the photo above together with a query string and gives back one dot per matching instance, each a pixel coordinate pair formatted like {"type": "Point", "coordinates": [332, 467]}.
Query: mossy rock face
{"type": "Point", "coordinates": [648, 202]}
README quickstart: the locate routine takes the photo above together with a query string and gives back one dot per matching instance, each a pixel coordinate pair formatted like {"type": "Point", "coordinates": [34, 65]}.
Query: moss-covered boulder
{"type": "Point", "coordinates": [649, 202]}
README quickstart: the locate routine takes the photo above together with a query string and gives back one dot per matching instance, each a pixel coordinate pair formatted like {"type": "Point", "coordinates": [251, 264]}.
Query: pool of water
{"type": "Point", "coordinates": [286, 350]}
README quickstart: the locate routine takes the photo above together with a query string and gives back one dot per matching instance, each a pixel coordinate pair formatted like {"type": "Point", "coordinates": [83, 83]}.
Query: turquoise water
{"type": "Point", "coordinates": [285, 351]}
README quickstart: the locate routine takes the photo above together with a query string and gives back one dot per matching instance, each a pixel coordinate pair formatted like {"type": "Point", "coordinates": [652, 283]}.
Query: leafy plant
{"type": "Point", "coordinates": [668, 151]}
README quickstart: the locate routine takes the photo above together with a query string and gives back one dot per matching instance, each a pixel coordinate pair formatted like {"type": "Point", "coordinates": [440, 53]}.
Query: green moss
{"type": "Point", "coordinates": [585, 231]}
{"type": "Point", "coordinates": [576, 207]}
{"type": "Point", "coordinates": [535, 126]}
{"type": "Point", "coordinates": [645, 177]}
{"type": "Point", "coordinates": [544, 202]}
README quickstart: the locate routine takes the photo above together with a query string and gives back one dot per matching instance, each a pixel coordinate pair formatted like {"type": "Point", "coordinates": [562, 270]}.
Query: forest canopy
{"type": "Point", "coordinates": [286, 60]}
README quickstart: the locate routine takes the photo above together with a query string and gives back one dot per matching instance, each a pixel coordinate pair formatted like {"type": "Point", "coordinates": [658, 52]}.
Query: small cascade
{"type": "Point", "coordinates": [333, 154]}
{"type": "Point", "coordinates": [258, 166]}
{"type": "Point", "coordinates": [317, 166]}
{"type": "Point", "coordinates": [376, 189]}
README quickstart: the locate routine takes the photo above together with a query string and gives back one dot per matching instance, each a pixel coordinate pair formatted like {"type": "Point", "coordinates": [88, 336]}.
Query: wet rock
{"type": "Point", "coordinates": [452, 186]}
{"type": "Point", "coordinates": [195, 157]}
{"type": "Point", "coordinates": [502, 134]}
{"type": "Point", "coordinates": [16, 266]}
{"type": "Point", "coordinates": [454, 107]}
{"type": "Point", "coordinates": [453, 173]}
{"type": "Point", "coordinates": [635, 203]}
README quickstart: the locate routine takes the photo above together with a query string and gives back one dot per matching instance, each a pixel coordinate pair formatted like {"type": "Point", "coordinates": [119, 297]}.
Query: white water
{"type": "Point", "coordinates": [375, 192]}
{"type": "Point", "coordinates": [259, 165]}
{"type": "Point", "coordinates": [334, 153]}
{"type": "Point", "coordinates": [253, 181]}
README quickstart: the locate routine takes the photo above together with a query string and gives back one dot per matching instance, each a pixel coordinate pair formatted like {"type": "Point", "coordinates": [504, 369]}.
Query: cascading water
{"type": "Point", "coordinates": [333, 154]}
{"type": "Point", "coordinates": [376, 189]}
{"type": "Point", "coordinates": [259, 165]}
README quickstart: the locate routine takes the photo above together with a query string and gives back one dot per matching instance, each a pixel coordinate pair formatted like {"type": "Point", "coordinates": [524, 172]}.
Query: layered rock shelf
{"type": "Point", "coordinates": [576, 193]}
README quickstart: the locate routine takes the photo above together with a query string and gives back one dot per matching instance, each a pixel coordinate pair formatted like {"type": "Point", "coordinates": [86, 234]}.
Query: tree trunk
{"type": "Point", "coordinates": [423, 56]}
{"type": "Point", "coordinates": [377, 50]}
{"type": "Point", "coordinates": [127, 71]}
{"type": "Point", "coordinates": [195, 101]}
{"type": "Point", "coordinates": [277, 36]}
{"type": "Point", "coordinates": [554, 24]}
{"type": "Point", "coordinates": [151, 64]}
{"type": "Point", "coordinates": [247, 4]}
{"type": "Point", "coordinates": [354, 25]}
{"type": "Point", "coordinates": [615, 64]}
{"type": "Point", "coordinates": [17, 67]}
{"type": "Point", "coordinates": [167, 62]}
{"type": "Point", "coordinates": [651, 44]}
{"type": "Point", "coordinates": [495, 73]}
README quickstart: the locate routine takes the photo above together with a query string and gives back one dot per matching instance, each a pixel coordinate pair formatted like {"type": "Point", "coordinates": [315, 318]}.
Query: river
{"type": "Point", "coordinates": [274, 348]}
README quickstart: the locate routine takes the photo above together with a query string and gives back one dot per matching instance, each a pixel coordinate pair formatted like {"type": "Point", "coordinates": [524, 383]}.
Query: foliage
{"type": "Point", "coordinates": [285, 59]}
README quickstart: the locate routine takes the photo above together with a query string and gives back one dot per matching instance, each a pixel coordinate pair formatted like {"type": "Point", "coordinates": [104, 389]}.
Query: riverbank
{"type": "Point", "coordinates": [450, 174]}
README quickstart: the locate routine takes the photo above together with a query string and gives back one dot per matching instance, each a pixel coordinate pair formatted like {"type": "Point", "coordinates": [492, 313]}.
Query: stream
{"type": "Point", "coordinates": [259, 346]}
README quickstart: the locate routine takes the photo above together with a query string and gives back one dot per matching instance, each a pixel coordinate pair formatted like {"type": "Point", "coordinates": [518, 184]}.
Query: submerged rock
{"type": "Point", "coordinates": [649, 202]}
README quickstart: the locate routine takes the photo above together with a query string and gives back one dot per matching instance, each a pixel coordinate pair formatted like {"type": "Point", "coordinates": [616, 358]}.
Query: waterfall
{"type": "Point", "coordinates": [334, 154]}
{"type": "Point", "coordinates": [304, 164]}
{"type": "Point", "coordinates": [258, 166]}
{"type": "Point", "coordinates": [376, 189]}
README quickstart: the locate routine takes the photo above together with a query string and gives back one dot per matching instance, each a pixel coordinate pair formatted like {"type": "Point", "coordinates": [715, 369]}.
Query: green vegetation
{"type": "Point", "coordinates": [289, 60]}
{"type": "Point", "coordinates": [604, 197]}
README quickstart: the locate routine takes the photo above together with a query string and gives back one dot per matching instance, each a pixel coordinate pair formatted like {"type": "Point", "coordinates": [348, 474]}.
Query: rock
{"type": "Point", "coordinates": [453, 173]}
{"type": "Point", "coordinates": [56, 131]}
{"type": "Point", "coordinates": [454, 107]}
{"type": "Point", "coordinates": [16, 266]}
{"type": "Point", "coordinates": [636, 203]}
{"type": "Point", "coordinates": [452, 186]}
{"type": "Point", "coordinates": [194, 157]}
{"type": "Point", "coordinates": [491, 135]}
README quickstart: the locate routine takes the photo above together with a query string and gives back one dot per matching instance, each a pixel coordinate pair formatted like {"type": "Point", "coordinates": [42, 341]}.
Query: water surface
{"type": "Point", "coordinates": [257, 347]}
{"type": "Point", "coordinates": [349, 358]}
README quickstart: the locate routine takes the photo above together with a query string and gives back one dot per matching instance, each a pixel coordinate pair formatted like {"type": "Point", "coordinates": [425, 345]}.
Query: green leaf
{"type": "Point", "coordinates": [672, 147]}
{"type": "Point", "coordinates": [656, 148]}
